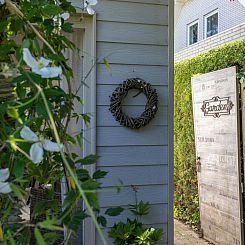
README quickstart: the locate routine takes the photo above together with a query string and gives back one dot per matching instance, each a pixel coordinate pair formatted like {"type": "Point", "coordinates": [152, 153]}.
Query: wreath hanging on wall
{"type": "Point", "coordinates": [121, 92]}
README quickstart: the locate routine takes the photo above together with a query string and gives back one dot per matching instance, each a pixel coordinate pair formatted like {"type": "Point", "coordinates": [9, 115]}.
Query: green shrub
{"type": "Point", "coordinates": [186, 186]}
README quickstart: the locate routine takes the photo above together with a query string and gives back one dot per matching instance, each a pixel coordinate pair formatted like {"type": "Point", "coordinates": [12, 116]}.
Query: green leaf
{"type": "Point", "coordinates": [91, 185]}
{"type": "Point", "coordinates": [19, 168]}
{"type": "Point", "coordinates": [75, 220]}
{"type": "Point", "coordinates": [83, 174]}
{"type": "Point", "coordinates": [102, 220]}
{"type": "Point", "coordinates": [93, 200]}
{"type": "Point", "coordinates": [142, 208]}
{"type": "Point", "coordinates": [17, 25]}
{"type": "Point", "coordinates": [12, 112]}
{"type": "Point", "coordinates": [114, 211]}
{"type": "Point", "coordinates": [50, 224]}
{"type": "Point", "coordinates": [51, 237]}
{"type": "Point", "coordinates": [52, 10]}
{"type": "Point", "coordinates": [36, 46]}
{"type": "Point", "coordinates": [107, 65]}
{"type": "Point", "coordinates": [3, 25]}
{"type": "Point", "coordinates": [26, 43]}
{"type": "Point", "coordinates": [39, 208]}
{"type": "Point", "coordinates": [12, 142]}
{"type": "Point", "coordinates": [54, 92]}
{"type": "Point", "coordinates": [70, 198]}
{"type": "Point", "coordinates": [39, 237]}
{"type": "Point", "coordinates": [67, 27]}
{"type": "Point", "coordinates": [56, 57]}
{"type": "Point", "coordinates": [91, 159]}
{"type": "Point", "coordinates": [17, 190]}
{"type": "Point", "coordinates": [99, 174]}
{"type": "Point", "coordinates": [11, 239]}
{"type": "Point", "coordinates": [157, 235]}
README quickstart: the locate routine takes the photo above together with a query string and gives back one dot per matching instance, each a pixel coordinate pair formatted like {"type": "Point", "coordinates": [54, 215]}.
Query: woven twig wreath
{"type": "Point", "coordinates": [121, 92]}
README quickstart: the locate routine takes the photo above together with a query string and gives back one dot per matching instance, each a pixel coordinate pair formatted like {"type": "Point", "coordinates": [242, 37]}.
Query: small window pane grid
{"type": "Point", "coordinates": [212, 25]}
{"type": "Point", "coordinates": [193, 34]}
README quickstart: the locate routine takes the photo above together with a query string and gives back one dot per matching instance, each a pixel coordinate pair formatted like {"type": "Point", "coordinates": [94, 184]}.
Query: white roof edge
{"type": "Point", "coordinates": [184, 1]}
{"type": "Point", "coordinates": [241, 1]}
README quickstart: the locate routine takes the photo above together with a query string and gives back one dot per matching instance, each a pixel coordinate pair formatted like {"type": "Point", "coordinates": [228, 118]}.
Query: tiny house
{"type": "Point", "coordinates": [136, 38]}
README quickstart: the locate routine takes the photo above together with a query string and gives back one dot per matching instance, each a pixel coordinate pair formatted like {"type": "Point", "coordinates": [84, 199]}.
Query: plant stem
{"type": "Point", "coordinates": [68, 167]}
{"type": "Point", "coordinates": [27, 102]}
{"type": "Point", "coordinates": [13, 8]}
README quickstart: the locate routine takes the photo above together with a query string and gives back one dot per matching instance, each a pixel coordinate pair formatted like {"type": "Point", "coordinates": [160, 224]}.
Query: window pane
{"type": "Point", "coordinates": [212, 25]}
{"type": "Point", "coordinates": [193, 34]}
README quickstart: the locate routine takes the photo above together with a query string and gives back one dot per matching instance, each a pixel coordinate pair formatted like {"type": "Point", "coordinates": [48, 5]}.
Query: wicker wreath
{"type": "Point", "coordinates": [121, 92]}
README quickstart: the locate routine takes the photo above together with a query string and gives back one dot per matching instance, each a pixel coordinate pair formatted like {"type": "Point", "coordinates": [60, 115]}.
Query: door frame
{"type": "Point", "coordinates": [88, 93]}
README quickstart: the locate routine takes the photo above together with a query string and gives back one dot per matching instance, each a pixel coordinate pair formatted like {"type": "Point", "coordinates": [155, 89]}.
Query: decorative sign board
{"type": "Point", "coordinates": [215, 108]}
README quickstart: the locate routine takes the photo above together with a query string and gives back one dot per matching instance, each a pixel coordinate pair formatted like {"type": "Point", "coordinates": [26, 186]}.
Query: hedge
{"type": "Point", "coordinates": [186, 189]}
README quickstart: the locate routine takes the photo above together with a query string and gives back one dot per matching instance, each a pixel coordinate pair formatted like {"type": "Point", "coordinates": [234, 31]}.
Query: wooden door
{"type": "Point", "coordinates": [217, 138]}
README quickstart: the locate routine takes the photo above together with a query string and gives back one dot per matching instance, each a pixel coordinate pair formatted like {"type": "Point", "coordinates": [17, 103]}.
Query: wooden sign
{"type": "Point", "coordinates": [217, 138]}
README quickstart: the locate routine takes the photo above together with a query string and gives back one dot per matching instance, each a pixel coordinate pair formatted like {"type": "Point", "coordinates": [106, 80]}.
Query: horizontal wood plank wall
{"type": "Point", "coordinates": [133, 36]}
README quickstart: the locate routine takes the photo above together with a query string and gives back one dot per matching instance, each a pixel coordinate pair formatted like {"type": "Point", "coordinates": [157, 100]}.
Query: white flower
{"type": "Point", "coordinates": [36, 150]}
{"type": "Point", "coordinates": [64, 16]}
{"type": "Point", "coordinates": [4, 186]}
{"type": "Point", "coordinates": [40, 67]}
{"type": "Point", "coordinates": [88, 4]}
{"type": "Point", "coordinates": [2, 2]}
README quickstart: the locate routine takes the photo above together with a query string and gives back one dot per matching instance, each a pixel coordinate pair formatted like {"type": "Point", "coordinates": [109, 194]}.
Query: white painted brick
{"type": "Point", "coordinates": [206, 44]}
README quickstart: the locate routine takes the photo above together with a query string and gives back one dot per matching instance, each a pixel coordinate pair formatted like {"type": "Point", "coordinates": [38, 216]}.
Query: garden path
{"type": "Point", "coordinates": [183, 235]}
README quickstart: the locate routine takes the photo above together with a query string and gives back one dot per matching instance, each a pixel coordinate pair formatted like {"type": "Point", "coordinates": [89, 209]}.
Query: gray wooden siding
{"type": "Point", "coordinates": [158, 75]}
{"type": "Point", "coordinates": [133, 36]}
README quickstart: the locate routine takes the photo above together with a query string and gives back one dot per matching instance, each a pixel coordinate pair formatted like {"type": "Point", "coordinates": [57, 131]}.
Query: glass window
{"type": "Point", "coordinates": [212, 24]}
{"type": "Point", "coordinates": [193, 33]}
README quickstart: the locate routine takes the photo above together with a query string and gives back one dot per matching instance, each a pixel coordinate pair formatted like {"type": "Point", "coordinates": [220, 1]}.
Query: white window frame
{"type": "Point", "coordinates": [188, 32]}
{"type": "Point", "coordinates": [205, 22]}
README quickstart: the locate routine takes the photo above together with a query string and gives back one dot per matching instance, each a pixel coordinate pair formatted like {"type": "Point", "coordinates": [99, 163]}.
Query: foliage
{"type": "Point", "coordinates": [34, 126]}
{"type": "Point", "coordinates": [186, 189]}
{"type": "Point", "coordinates": [133, 232]}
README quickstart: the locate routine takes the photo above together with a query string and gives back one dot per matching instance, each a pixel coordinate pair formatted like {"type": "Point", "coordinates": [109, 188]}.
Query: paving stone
{"type": "Point", "coordinates": [183, 235]}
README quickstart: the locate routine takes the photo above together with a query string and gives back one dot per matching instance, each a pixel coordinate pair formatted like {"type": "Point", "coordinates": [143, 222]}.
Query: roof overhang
{"type": "Point", "coordinates": [180, 1]}
{"type": "Point", "coordinates": [178, 6]}
{"type": "Point", "coordinates": [242, 2]}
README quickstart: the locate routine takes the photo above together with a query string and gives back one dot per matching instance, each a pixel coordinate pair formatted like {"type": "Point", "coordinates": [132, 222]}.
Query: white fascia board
{"type": "Point", "coordinates": [177, 8]}
{"type": "Point", "coordinates": [181, 1]}
{"type": "Point", "coordinates": [242, 2]}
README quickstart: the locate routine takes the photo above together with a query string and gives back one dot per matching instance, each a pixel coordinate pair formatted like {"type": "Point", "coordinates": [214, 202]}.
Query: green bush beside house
{"type": "Point", "coordinates": [186, 189]}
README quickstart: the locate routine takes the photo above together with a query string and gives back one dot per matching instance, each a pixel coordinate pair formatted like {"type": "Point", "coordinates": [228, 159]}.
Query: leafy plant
{"type": "Point", "coordinates": [133, 232]}
{"type": "Point", "coordinates": [35, 113]}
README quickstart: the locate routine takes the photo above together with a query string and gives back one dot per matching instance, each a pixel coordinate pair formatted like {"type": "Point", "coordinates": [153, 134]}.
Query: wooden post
{"type": "Point", "coordinates": [243, 120]}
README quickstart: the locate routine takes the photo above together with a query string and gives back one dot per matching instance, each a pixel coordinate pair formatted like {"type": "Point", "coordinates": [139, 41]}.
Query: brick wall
{"type": "Point", "coordinates": [232, 34]}
{"type": "Point", "coordinates": [231, 13]}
